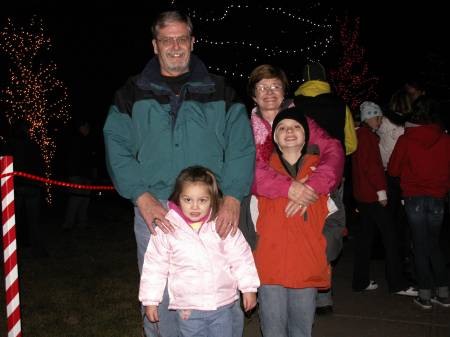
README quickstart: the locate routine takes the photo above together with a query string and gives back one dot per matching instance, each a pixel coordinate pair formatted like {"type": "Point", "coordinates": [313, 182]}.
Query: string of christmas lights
{"type": "Point", "coordinates": [237, 74]}
{"type": "Point", "coordinates": [269, 51]}
{"type": "Point", "coordinates": [33, 93]}
{"type": "Point", "coordinates": [267, 34]}
{"type": "Point", "coordinates": [250, 35]}
{"type": "Point", "coordinates": [270, 10]}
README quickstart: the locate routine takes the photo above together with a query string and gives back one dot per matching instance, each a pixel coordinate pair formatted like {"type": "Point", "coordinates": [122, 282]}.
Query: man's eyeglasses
{"type": "Point", "coordinates": [266, 88]}
{"type": "Point", "coordinates": [169, 41]}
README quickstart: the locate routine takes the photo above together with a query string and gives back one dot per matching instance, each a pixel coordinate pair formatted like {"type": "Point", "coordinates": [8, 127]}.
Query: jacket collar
{"type": "Point", "coordinates": [313, 88]}
{"type": "Point", "coordinates": [178, 210]}
{"type": "Point", "coordinates": [177, 218]}
{"type": "Point", "coordinates": [199, 80]}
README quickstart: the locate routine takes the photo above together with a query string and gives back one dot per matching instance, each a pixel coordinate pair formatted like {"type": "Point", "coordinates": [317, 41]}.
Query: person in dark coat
{"type": "Point", "coordinates": [81, 170]}
{"type": "Point", "coordinates": [334, 116]}
{"type": "Point", "coordinates": [28, 193]}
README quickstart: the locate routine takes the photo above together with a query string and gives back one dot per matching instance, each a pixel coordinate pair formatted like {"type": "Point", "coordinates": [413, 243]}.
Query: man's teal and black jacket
{"type": "Point", "coordinates": [151, 134]}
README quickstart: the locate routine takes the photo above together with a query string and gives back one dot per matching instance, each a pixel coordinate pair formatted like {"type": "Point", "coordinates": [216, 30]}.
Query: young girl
{"type": "Point", "coordinates": [290, 253]}
{"type": "Point", "coordinates": [369, 190]}
{"type": "Point", "coordinates": [203, 271]}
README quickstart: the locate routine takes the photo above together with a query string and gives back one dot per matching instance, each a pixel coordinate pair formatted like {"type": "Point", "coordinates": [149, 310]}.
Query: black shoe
{"type": "Point", "coordinates": [325, 310]}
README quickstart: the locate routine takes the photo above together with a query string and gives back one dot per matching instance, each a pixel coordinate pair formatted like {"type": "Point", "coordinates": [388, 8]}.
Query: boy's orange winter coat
{"type": "Point", "coordinates": [291, 251]}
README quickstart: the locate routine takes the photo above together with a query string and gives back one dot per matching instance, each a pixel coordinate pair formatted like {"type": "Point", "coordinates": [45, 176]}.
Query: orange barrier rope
{"type": "Point", "coordinates": [58, 183]}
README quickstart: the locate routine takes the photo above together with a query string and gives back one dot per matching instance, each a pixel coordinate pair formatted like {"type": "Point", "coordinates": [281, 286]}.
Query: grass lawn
{"type": "Point", "coordinates": [89, 284]}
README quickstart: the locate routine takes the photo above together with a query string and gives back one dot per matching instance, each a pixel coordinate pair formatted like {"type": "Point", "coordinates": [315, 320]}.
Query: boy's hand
{"type": "Point", "coordinates": [152, 313]}
{"type": "Point", "coordinates": [249, 301]}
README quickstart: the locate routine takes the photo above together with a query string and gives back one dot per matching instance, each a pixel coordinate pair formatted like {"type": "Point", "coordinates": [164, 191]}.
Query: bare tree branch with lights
{"type": "Point", "coordinates": [33, 93]}
{"type": "Point", "coordinates": [352, 79]}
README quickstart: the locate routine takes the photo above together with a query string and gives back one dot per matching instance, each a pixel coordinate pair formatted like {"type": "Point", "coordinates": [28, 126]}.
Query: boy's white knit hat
{"type": "Point", "coordinates": [369, 109]}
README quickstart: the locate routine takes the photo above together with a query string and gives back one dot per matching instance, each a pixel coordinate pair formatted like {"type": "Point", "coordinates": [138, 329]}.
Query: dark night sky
{"type": "Point", "coordinates": [97, 48]}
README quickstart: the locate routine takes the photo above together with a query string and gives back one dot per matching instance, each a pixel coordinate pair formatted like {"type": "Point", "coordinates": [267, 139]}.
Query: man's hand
{"type": "Point", "coordinates": [228, 217]}
{"type": "Point", "coordinates": [152, 313]}
{"type": "Point", "coordinates": [153, 212]}
{"type": "Point", "coordinates": [249, 300]}
{"type": "Point", "coordinates": [300, 196]}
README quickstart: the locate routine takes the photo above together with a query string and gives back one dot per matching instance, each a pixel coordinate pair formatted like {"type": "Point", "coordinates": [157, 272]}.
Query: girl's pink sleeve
{"type": "Point", "coordinates": [155, 270]}
{"type": "Point", "coordinates": [242, 263]}
{"type": "Point", "coordinates": [328, 174]}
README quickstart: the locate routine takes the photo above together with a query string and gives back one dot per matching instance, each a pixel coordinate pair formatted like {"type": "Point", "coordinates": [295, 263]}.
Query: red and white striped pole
{"type": "Point", "coordinates": [10, 249]}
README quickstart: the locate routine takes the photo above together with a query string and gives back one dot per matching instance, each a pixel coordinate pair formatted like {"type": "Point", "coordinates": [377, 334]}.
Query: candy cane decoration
{"type": "Point", "coordinates": [10, 249]}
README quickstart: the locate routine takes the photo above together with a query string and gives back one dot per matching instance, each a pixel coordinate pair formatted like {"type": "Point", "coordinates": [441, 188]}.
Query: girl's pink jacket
{"type": "Point", "coordinates": [203, 271]}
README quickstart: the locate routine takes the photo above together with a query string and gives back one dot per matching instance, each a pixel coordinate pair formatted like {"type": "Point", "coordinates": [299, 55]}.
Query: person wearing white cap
{"type": "Point", "coordinates": [369, 190]}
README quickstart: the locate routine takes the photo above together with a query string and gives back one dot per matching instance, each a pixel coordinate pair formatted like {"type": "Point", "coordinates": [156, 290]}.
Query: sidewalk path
{"type": "Point", "coordinates": [371, 314]}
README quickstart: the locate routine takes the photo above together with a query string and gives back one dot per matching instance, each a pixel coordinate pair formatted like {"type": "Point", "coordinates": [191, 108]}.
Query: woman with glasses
{"type": "Point", "coordinates": [268, 86]}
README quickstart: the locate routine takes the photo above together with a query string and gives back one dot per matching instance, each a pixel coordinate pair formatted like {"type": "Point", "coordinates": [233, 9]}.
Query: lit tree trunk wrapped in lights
{"type": "Point", "coordinates": [352, 80]}
{"type": "Point", "coordinates": [33, 93]}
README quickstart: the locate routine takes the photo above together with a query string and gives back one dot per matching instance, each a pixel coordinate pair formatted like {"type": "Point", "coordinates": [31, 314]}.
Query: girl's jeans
{"type": "Point", "coordinates": [206, 323]}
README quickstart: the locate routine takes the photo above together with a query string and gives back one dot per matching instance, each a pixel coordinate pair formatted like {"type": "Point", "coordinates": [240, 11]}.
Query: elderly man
{"type": "Point", "coordinates": [173, 115]}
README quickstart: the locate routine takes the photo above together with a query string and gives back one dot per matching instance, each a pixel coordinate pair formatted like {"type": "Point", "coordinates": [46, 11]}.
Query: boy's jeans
{"type": "Point", "coordinates": [285, 311]}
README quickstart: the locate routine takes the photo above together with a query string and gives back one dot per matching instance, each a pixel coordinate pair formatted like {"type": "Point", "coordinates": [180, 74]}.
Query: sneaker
{"type": "Point", "coordinates": [411, 291]}
{"type": "Point", "coordinates": [442, 301]}
{"type": "Point", "coordinates": [423, 303]}
{"type": "Point", "coordinates": [372, 285]}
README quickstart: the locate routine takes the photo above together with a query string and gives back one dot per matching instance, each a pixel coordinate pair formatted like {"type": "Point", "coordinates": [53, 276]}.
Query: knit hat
{"type": "Point", "coordinates": [369, 109]}
{"type": "Point", "coordinates": [296, 114]}
{"type": "Point", "coordinates": [314, 71]}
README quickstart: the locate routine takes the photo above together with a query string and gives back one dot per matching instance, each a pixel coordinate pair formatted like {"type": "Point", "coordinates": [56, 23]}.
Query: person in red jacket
{"type": "Point", "coordinates": [369, 190]}
{"type": "Point", "coordinates": [421, 158]}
